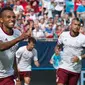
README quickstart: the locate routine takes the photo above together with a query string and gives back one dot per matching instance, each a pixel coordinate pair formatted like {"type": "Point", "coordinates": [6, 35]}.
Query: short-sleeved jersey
{"type": "Point", "coordinates": [25, 57]}
{"type": "Point", "coordinates": [72, 46]}
{"type": "Point", "coordinates": [7, 56]}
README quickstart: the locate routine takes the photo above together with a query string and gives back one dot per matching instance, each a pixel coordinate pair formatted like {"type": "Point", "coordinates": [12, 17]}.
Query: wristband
{"type": "Point", "coordinates": [79, 57]}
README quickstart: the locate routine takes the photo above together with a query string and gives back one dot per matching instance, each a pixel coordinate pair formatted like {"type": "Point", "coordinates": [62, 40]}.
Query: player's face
{"type": "Point", "coordinates": [75, 27]}
{"type": "Point", "coordinates": [8, 19]}
{"type": "Point", "coordinates": [31, 45]}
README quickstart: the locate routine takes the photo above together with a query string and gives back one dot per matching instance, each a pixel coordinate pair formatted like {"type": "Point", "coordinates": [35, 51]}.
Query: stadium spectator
{"type": "Point", "coordinates": [59, 7]}
{"type": "Point", "coordinates": [24, 3]}
{"type": "Point", "coordinates": [35, 6]}
{"type": "Point", "coordinates": [37, 32]}
{"type": "Point", "coordinates": [27, 9]}
{"type": "Point", "coordinates": [58, 30]}
{"type": "Point", "coordinates": [49, 33]}
{"type": "Point", "coordinates": [32, 15]}
{"type": "Point", "coordinates": [42, 23]}
{"type": "Point", "coordinates": [56, 57]}
{"type": "Point", "coordinates": [81, 11]}
{"type": "Point", "coordinates": [76, 4]}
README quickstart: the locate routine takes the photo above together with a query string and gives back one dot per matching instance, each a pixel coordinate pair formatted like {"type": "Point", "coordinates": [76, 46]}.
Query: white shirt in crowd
{"type": "Point", "coordinates": [59, 5]}
{"type": "Point", "coordinates": [24, 58]}
{"type": "Point", "coordinates": [33, 17]}
{"type": "Point", "coordinates": [38, 34]}
{"type": "Point", "coordinates": [72, 47]}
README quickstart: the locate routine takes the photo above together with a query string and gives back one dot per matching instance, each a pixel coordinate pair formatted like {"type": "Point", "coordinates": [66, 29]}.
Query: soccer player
{"type": "Point", "coordinates": [24, 56]}
{"type": "Point", "coordinates": [8, 45]}
{"type": "Point", "coordinates": [70, 64]}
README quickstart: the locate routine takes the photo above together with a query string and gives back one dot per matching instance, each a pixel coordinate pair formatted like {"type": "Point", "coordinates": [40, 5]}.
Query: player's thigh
{"type": "Point", "coordinates": [60, 84]}
{"type": "Point", "coordinates": [73, 79]}
{"type": "Point", "coordinates": [27, 77]}
{"type": "Point", "coordinates": [24, 74]}
{"type": "Point", "coordinates": [61, 76]}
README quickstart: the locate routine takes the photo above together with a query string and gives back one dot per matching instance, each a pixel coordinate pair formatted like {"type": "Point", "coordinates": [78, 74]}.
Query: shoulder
{"type": "Point", "coordinates": [65, 33]}
{"type": "Point", "coordinates": [17, 32]}
{"type": "Point", "coordinates": [1, 31]}
{"type": "Point", "coordinates": [22, 48]}
{"type": "Point", "coordinates": [34, 50]}
{"type": "Point", "coordinates": [82, 36]}
{"type": "Point", "coordinates": [3, 36]}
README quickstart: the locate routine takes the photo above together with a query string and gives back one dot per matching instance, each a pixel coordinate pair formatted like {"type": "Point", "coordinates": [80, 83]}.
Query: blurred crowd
{"type": "Point", "coordinates": [47, 18]}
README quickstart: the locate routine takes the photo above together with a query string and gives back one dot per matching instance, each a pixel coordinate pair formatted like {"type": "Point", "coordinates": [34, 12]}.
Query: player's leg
{"type": "Point", "coordinates": [27, 80]}
{"type": "Point", "coordinates": [61, 76]}
{"type": "Point", "coordinates": [27, 77]}
{"type": "Point", "coordinates": [73, 78]}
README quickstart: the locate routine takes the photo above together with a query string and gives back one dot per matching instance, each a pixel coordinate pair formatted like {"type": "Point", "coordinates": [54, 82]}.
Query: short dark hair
{"type": "Point", "coordinates": [32, 39]}
{"type": "Point", "coordinates": [76, 18]}
{"type": "Point", "coordinates": [4, 9]}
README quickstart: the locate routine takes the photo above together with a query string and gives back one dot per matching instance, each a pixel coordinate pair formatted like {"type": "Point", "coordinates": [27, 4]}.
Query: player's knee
{"type": "Point", "coordinates": [60, 84]}
{"type": "Point", "coordinates": [27, 80]}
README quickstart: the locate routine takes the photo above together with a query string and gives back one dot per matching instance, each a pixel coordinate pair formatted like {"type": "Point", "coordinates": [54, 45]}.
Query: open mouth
{"type": "Point", "coordinates": [11, 23]}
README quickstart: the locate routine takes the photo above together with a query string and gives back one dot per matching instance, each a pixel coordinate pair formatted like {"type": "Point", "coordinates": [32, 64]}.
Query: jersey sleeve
{"type": "Point", "coordinates": [35, 55]}
{"type": "Point", "coordinates": [2, 37]}
{"type": "Point", "coordinates": [19, 52]}
{"type": "Point", "coordinates": [83, 45]}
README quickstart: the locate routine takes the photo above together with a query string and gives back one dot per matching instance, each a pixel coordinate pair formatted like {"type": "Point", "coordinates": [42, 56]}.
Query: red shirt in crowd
{"type": "Point", "coordinates": [76, 4]}
{"type": "Point", "coordinates": [35, 5]}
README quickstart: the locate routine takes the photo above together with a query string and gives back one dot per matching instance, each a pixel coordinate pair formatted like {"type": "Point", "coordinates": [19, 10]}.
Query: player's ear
{"type": "Point", "coordinates": [1, 20]}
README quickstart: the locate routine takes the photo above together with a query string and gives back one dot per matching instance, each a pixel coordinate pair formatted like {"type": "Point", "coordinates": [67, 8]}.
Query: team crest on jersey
{"type": "Point", "coordinates": [6, 39]}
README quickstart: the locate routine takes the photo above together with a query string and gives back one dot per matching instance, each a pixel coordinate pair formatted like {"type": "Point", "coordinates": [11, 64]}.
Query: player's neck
{"type": "Point", "coordinates": [73, 34]}
{"type": "Point", "coordinates": [6, 30]}
{"type": "Point", "coordinates": [28, 48]}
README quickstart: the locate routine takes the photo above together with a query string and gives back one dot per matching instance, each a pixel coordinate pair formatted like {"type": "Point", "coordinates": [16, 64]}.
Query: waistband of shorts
{"type": "Point", "coordinates": [11, 77]}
